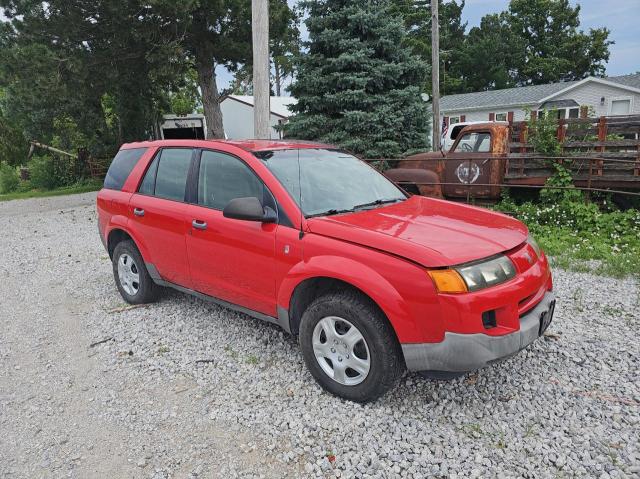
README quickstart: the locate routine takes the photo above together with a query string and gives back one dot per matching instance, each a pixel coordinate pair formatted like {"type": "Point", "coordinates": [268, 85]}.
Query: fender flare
{"type": "Point", "coordinates": [120, 222]}
{"type": "Point", "coordinates": [360, 276]}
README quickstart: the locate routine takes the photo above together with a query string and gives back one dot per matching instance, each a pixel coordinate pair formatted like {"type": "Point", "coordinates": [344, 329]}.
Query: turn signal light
{"type": "Point", "coordinates": [448, 281]}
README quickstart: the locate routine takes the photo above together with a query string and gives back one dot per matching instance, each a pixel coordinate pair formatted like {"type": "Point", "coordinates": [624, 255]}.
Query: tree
{"type": "Point", "coordinates": [284, 42]}
{"type": "Point", "coordinates": [284, 39]}
{"type": "Point", "coordinates": [217, 32]}
{"type": "Point", "coordinates": [533, 42]}
{"type": "Point", "coordinates": [554, 48]}
{"type": "Point", "coordinates": [494, 35]}
{"type": "Point", "coordinates": [105, 65]}
{"type": "Point", "coordinates": [358, 86]}
{"type": "Point", "coordinates": [416, 15]}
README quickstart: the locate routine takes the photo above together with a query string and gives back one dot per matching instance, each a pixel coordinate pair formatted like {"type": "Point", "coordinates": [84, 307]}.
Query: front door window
{"type": "Point", "coordinates": [475, 142]}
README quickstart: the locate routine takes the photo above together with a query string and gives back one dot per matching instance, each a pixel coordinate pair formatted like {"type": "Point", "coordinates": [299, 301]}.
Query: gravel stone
{"type": "Point", "coordinates": [140, 405]}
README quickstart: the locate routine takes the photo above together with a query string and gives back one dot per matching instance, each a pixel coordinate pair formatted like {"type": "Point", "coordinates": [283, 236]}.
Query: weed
{"type": "Point", "coordinates": [230, 351]}
{"type": "Point", "coordinates": [252, 359]}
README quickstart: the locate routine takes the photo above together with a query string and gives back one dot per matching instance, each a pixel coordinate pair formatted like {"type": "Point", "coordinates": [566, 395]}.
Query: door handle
{"type": "Point", "coordinates": [138, 211]}
{"type": "Point", "coordinates": [199, 224]}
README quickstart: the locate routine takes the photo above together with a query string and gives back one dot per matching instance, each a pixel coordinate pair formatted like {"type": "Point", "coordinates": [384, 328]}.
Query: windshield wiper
{"type": "Point", "coordinates": [377, 202]}
{"type": "Point", "coordinates": [330, 212]}
{"type": "Point", "coordinates": [334, 211]}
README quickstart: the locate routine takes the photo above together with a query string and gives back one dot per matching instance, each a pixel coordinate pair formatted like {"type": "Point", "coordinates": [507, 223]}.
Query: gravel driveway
{"type": "Point", "coordinates": [184, 388]}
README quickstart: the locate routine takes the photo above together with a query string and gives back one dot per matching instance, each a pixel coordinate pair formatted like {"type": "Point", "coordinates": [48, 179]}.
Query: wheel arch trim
{"type": "Point", "coordinates": [354, 274]}
{"type": "Point", "coordinates": [119, 224]}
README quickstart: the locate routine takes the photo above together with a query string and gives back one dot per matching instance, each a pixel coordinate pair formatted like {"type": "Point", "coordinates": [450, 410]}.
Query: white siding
{"type": "Point", "coordinates": [237, 119]}
{"type": "Point", "coordinates": [483, 115]}
{"type": "Point", "coordinates": [590, 94]}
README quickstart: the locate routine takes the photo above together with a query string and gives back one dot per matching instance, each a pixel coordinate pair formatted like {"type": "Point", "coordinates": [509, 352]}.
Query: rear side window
{"type": "Point", "coordinates": [121, 167]}
{"type": "Point", "coordinates": [167, 174]}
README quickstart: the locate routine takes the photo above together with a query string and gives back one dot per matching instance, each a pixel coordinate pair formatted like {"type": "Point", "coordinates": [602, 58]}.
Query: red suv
{"type": "Point", "coordinates": [310, 238]}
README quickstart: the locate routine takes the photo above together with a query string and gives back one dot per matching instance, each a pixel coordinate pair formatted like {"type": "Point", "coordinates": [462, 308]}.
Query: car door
{"type": "Point", "coordinates": [231, 259]}
{"type": "Point", "coordinates": [468, 166]}
{"type": "Point", "coordinates": [157, 213]}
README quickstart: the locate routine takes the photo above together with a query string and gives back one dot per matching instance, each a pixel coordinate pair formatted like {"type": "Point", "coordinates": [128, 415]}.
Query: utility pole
{"type": "Point", "coordinates": [435, 74]}
{"type": "Point", "coordinates": [260, 38]}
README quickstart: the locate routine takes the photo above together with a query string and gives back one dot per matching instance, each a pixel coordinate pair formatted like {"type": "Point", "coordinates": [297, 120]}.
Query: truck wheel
{"type": "Point", "coordinates": [349, 347]}
{"type": "Point", "coordinates": [132, 279]}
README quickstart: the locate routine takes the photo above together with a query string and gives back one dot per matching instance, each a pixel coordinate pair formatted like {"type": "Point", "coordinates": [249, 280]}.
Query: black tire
{"type": "Point", "coordinates": [147, 291]}
{"type": "Point", "coordinates": [386, 363]}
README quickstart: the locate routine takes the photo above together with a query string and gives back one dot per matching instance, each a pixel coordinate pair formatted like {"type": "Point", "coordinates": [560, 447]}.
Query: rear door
{"type": "Point", "coordinates": [231, 259]}
{"type": "Point", "coordinates": [157, 213]}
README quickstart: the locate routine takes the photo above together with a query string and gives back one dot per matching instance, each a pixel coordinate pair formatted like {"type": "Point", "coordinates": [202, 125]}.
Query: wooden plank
{"type": "Point", "coordinates": [622, 155]}
{"type": "Point", "coordinates": [605, 144]}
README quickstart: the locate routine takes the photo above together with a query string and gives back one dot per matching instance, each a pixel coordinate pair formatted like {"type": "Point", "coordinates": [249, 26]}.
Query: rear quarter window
{"type": "Point", "coordinates": [121, 167]}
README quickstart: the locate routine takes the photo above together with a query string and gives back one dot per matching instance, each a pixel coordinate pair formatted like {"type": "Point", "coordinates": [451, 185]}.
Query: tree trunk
{"type": "Point", "coordinates": [210, 97]}
{"type": "Point", "coordinates": [277, 78]}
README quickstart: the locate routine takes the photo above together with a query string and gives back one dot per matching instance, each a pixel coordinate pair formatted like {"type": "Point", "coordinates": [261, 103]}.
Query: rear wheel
{"type": "Point", "coordinates": [349, 347]}
{"type": "Point", "coordinates": [131, 275]}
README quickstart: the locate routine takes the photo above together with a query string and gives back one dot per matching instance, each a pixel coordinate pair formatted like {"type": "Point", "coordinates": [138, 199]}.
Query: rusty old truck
{"type": "Point", "coordinates": [601, 154]}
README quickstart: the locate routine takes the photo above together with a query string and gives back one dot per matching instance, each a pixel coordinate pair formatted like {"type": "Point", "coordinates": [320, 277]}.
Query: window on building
{"type": "Point", "coordinates": [621, 106]}
{"type": "Point", "coordinates": [501, 117]}
{"type": "Point", "coordinates": [454, 119]}
{"type": "Point", "coordinates": [574, 113]}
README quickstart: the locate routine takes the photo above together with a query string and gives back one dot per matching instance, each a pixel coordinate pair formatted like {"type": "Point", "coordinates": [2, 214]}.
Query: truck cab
{"type": "Point", "coordinates": [473, 166]}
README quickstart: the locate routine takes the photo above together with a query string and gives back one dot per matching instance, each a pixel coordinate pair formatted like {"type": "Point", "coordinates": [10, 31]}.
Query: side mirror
{"type": "Point", "coordinates": [249, 209]}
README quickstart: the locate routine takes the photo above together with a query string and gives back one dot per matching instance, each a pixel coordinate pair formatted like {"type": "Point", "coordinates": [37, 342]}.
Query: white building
{"type": "Point", "coordinates": [237, 115]}
{"type": "Point", "coordinates": [601, 96]}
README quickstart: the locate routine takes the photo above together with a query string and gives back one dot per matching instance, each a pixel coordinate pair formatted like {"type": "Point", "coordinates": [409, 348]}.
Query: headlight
{"type": "Point", "coordinates": [474, 276]}
{"type": "Point", "coordinates": [534, 244]}
{"type": "Point", "coordinates": [489, 273]}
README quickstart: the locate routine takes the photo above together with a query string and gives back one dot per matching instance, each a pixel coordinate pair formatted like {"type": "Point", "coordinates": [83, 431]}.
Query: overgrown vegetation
{"type": "Point", "coordinates": [9, 180]}
{"type": "Point", "coordinates": [580, 235]}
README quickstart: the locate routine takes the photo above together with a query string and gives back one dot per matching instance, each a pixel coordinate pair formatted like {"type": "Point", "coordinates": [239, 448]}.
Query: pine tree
{"type": "Point", "coordinates": [358, 87]}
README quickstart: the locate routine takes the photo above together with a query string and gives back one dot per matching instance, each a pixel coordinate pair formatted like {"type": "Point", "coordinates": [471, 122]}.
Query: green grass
{"type": "Point", "coordinates": [67, 190]}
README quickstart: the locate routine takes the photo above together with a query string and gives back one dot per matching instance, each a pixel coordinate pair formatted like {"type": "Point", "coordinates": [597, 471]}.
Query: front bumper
{"type": "Point", "coordinates": [468, 352]}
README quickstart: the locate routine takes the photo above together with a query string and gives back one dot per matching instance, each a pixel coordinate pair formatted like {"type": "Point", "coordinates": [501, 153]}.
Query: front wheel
{"type": "Point", "coordinates": [350, 347]}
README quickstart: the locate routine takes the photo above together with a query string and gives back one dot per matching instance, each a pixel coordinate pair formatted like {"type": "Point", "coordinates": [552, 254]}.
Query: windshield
{"type": "Point", "coordinates": [329, 182]}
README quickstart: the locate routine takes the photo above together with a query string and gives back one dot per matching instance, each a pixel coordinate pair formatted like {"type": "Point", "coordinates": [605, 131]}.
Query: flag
{"type": "Point", "coordinates": [445, 127]}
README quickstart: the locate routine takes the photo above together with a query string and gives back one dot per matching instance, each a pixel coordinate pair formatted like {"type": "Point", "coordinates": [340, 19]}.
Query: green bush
{"type": "Point", "coordinates": [9, 180]}
{"type": "Point", "coordinates": [543, 133]}
{"type": "Point", "coordinates": [43, 175]}
{"type": "Point", "coordinates": [580, 236]}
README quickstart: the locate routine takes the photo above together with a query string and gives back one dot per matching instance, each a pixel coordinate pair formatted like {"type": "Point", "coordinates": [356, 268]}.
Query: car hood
{"type": "Point", "coordinates": [431, 232]}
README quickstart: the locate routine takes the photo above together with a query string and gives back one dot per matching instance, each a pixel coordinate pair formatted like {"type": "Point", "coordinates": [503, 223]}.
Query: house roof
{"type": "Point", "coordinates": [527, 95]}
{"type": "Point", "coordinates": [279, 105]}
